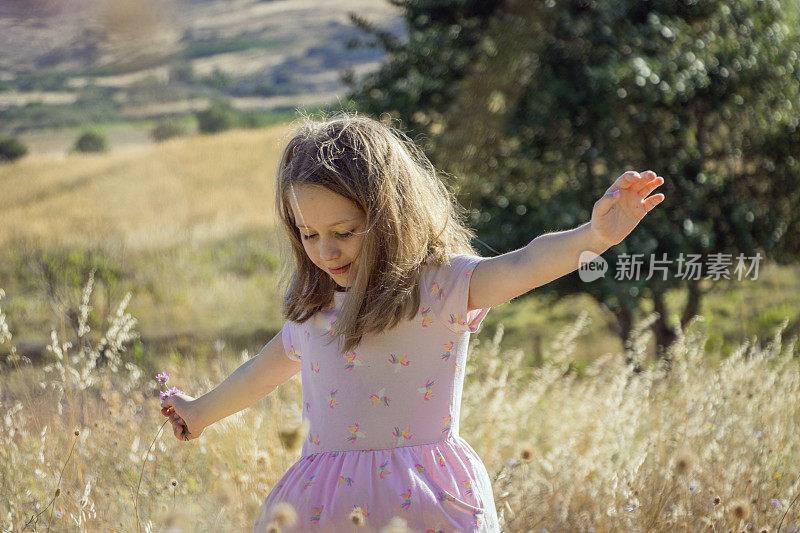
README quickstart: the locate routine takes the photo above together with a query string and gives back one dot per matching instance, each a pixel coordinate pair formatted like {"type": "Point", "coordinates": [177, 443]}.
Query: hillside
{"type": "Point", "coordinates": [82, 61]}
{"type": "Point", "coordinates": [183, 190]}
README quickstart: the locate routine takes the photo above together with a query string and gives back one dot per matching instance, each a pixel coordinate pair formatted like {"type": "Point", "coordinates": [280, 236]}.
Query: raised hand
{"type": "Point", "coordinates": [624, 204]}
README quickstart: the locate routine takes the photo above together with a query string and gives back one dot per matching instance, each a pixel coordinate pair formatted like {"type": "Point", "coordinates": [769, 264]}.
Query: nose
{"type": "Point", "coordinates": [329, 249]}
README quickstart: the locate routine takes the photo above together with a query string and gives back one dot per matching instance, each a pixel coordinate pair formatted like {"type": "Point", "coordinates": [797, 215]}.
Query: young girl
{"type": "Point", "coordinates": [385, 291]}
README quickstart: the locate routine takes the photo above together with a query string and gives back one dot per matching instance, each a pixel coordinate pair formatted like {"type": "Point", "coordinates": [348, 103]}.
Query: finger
{"type": "Point", "coordinates": [641, 183]}
{"type": "Point", "coordinates": [626, 180]}
{"type": "Point", "coordinates": [651, 186]}
{"type": "Point", "coordinates": [648, 175]}
{"type": "Point", "coordinates": [179, 429]}
{"type": "Point", "coordinates": [653, 201]}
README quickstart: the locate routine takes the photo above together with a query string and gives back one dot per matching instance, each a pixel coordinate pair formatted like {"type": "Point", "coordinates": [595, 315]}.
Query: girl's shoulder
{"type": "Point", "coordinates": [457, 264]}
{"type": "Point", "coordinates": [444, 292]}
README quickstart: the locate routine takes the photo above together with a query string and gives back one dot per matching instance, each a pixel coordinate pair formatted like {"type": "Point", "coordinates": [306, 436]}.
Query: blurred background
{"type": "Point", "coordinates": [139, 141]}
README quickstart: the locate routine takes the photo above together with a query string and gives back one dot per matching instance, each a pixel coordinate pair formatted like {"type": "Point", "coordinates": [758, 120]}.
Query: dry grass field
{"type": "Point", "coordinates": [181, 238]}
{"type": "Point", "coordinates": [185, 225]}
{"type": "Point", "coordinates": [149, 197]}
{"type": "Point", "coordinates": [696, 448]}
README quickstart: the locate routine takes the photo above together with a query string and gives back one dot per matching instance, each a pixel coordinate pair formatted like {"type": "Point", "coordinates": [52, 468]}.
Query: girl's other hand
{"type": "Point", "coordinates": [624, 205]}
{"type": "Point", "coordinates": [182, 412]}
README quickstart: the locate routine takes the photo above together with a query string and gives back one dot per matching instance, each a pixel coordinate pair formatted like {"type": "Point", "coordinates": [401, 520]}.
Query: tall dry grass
{"type": "Point", "coordinates": [628, 446]}
{"type": "Point", "coordinates": [634, 446]}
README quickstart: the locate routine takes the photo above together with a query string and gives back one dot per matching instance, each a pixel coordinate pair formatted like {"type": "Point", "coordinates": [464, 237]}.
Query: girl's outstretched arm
{"type": "Point", "coordinates": [548, 257]}
{"type": "Point", "coordinates": [253, 380]}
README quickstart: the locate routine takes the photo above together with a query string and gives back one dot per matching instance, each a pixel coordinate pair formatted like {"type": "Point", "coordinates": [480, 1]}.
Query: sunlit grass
{"type": "Point", "coordinates": [616, 449]}
{"type": "Point", "coordinates": [194, 189]}
{"type": "Point", "coordinates": [571, 435]}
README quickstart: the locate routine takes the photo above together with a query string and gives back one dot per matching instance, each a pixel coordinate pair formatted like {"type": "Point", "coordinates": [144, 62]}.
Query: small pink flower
{"type": "Point", "coordinates": [169, 392]}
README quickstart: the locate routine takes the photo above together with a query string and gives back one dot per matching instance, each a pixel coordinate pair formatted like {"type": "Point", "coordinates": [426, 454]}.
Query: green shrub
{"type": "Point", "coordinates": [218, 80]}
{"type": "Point", "coordinates": [218, 117]}
{"type": "Point", "coordinates": [182, 73]}
{"type": "Point", "coordinates": [12, 148]}
{"type": "Point", "coordinates": [91, 141]}
{"type": "Point", "coordinates": [166, 129]}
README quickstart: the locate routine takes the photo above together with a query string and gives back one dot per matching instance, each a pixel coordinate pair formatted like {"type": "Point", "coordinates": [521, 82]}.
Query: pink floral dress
{"type": "Point", "coordinates": [384, 420]}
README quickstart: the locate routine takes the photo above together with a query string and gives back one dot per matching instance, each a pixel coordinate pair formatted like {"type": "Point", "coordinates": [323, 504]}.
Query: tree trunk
{"type": "Point", "coordinates": [624, 322]}
{"type": "Point", "coordinates": [693, 303]}
{"type": "Point", "coordinates": [664, 334]}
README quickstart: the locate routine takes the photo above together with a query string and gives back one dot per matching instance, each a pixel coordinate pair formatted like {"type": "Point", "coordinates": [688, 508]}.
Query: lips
{"type": "Point", "coordinates": [340, 270]}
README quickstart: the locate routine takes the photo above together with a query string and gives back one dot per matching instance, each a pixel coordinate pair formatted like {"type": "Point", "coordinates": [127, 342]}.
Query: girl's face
{"type": "Point", "coordinates": [331, 228]}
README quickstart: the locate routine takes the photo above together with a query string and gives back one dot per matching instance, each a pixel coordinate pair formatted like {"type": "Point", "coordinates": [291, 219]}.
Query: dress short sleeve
{"type": "Point", "coordinates": [447, 293]}
{"type": "Point", "coordinates": [291, 347]}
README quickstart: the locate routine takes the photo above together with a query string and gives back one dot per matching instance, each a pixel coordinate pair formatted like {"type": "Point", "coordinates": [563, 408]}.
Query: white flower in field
{"type": "Point", "coordinates": [511, 461]}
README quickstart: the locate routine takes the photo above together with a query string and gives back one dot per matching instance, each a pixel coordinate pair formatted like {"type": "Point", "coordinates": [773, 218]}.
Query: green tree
{"type": "Point", "coordinates": [217, 117]}
{"type": "Point", "coordinates": [91, 141]}
{"type": "Point", "coordinates": [167, 129]}
{"type": "Point", "coordinates": [11, 148]}
{"type": "Point", "coordinates": [218, 80]}
{"type": "Point", "coordinates": [419, 79]}
{"type": "Point", "coordinates": [563, 96]}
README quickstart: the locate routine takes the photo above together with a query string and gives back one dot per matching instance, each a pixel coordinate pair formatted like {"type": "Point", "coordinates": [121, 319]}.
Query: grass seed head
{"type": "Point", "coordinates": [684, 462]}
{"type": "Point", "coordinates": [357, 517]}
{"type": "Point", "coordinates": [740, 509]}
{"type": "Point", "coordinates": [283, 514]}
{"type": "Point", "coordinates": [526, 452]}
{"type": "Point", "coordinates": [396, 525]}
{"type": "Point", "coordinates": [293, 437]}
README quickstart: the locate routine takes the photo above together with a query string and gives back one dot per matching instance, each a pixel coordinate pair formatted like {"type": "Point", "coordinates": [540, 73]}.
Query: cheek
{"type": "Point", "coordinates": [309, 250]}
{"type": "Point", "coordinates": [355, 250]}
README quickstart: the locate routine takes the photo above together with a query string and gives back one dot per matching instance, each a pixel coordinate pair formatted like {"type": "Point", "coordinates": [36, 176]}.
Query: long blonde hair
{"type": "Point", "coordinates": [412, 217]}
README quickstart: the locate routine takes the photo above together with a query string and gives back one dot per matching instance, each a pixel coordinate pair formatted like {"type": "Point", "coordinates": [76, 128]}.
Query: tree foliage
{"type": "Point", "coordinates": [11, 148]}
{"type": "Point", "coordinates": [419, 80]}
{"type": "Point", "coordinates": [91, 141]}
{"type": "Point", "coordinates": [217, 117]}
{"type": "Point", "coordinates": [561, 97]}
{"type": "Point", "coordinates": [167, 129]}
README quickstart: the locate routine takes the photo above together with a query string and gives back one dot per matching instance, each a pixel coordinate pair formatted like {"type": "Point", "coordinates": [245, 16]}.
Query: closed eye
{"type": "Point", "coordinates": [340, 235]}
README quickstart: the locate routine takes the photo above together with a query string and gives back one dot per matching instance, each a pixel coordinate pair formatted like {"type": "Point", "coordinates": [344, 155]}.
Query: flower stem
{"type": "Point", "coordinates": [144, 462]}
{"type": "Point", "coordinates": [60, 475]}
